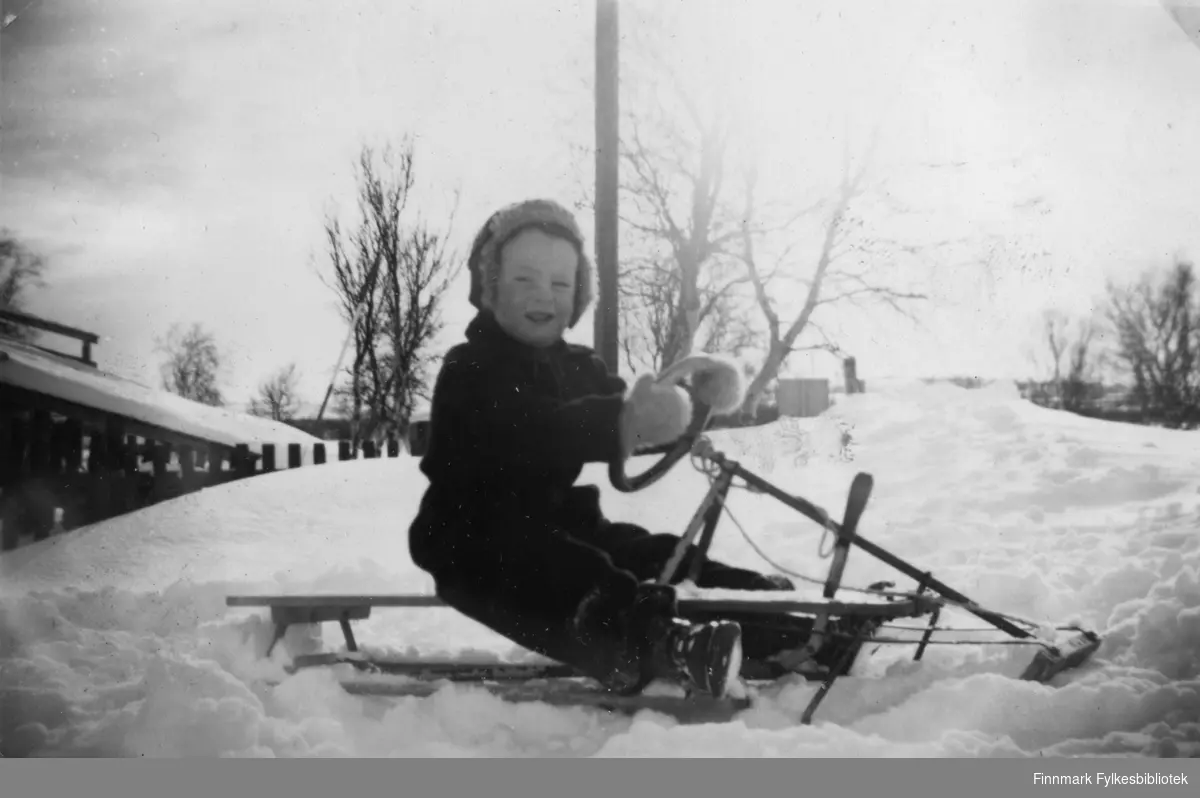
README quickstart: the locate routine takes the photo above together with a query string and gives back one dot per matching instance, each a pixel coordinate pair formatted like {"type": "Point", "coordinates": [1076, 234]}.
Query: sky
{"type": "Point", "coordinates": [174, 161]}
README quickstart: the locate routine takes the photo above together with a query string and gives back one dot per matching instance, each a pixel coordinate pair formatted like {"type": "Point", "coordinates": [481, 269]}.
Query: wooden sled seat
{"type": "Point", "coordinates": [344, 608]}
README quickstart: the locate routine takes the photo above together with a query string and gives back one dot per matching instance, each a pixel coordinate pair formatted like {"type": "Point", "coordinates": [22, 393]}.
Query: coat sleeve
{"type": "Point", "coordinates": [519, 427]}
{"type": "Point", "coordinates": [610, 383]}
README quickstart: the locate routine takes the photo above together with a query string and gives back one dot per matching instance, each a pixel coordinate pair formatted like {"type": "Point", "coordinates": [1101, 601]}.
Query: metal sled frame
{"type": "Point", "coordinates": [537, 681]}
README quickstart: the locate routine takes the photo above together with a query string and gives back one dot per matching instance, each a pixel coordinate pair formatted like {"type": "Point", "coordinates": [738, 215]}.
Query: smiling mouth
{"type": "Point", "coordinates": [540, 318]}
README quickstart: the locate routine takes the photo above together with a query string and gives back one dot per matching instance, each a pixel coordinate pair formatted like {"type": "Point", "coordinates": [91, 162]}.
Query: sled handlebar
{"type": "Point", "coordinates": [672, 454]}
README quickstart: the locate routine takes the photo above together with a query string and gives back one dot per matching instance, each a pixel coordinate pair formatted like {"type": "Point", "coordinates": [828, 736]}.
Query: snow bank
{"type": "Point", "coordinates": [116, 641]}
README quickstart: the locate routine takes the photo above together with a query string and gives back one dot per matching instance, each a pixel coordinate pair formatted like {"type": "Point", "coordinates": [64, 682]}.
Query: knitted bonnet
{"type": "Point", "coordinates": [543, 214]}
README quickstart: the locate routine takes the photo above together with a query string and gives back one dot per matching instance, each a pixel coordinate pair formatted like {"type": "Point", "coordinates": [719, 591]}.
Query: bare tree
{"type": "Point", "coordinates": [278, 397]}
{"type": "Point", "coordinates": [1076, 387]}
{"type": "Point", "coordinates": [1072, 361]}
{"type": "Point", "coordinates": [675, 195]}
{"type": "Point", "coordinates": [390, 276]}
{"type": "Point", "coordinates": [837, 277]}
{"type": "Point", "coordinates": [1157, 339]}
{"type": "Point", "coordinates": [696, 232]}
{"type": "Point", "coordinates": [192, 364]}
{"type": "Point", "coordinates": [20, 269]}
{"type": "Point", "coordinates": [679, 212]}
{"type": "Point", "coordinates": [655, 327]}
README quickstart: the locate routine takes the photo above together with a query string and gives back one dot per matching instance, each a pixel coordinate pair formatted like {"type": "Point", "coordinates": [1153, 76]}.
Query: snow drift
{"type": "Point", "coordinates": [115, 641]}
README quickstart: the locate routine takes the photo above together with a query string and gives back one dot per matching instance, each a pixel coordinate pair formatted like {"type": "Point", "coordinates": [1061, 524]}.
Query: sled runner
{"type": "Point", "coordinates": [826, 632]}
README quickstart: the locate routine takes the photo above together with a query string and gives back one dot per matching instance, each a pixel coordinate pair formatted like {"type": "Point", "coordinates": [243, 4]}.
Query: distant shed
{"type": "Point", "coordinates": [802, 398]}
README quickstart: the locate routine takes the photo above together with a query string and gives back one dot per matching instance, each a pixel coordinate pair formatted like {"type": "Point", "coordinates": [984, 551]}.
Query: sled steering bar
{"type": "Point", "coordinates": [813, 513]}
{"type": "Point", "coordinates": [671, 454]}
{"type": "Point", "coordinates": [674, 452]}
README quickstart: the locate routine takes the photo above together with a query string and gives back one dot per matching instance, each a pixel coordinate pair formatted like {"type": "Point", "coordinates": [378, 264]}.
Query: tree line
{"type": "Point", "coordinates": [1143, 334]}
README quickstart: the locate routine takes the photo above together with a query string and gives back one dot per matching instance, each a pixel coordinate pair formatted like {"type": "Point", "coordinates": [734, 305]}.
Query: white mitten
{"type": "Point", "coordinates": [654, 414]}
{"type": "Point", "coordinates": [717, 380]}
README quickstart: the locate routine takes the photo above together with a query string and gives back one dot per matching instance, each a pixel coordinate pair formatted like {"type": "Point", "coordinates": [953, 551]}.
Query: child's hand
{"type": "Point", "coordinates": [654, 414]}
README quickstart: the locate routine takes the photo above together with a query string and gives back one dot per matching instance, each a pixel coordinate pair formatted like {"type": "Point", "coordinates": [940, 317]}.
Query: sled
{"type": "Point", "coordinates": [831, 631]}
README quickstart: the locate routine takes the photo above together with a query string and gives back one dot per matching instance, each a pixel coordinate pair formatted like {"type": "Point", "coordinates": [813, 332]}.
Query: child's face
{"type": "Point", "coordinates": [535, 294]}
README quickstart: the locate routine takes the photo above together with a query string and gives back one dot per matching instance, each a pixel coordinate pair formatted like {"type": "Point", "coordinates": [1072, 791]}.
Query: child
{"type": "Point", "coordinates": [509, 538]}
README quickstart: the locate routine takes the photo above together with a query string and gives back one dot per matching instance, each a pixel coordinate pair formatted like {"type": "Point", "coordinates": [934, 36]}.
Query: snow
{"type": "Point", "coordinates": [27, 368]}
{"type": "Point", "coordinates": [115, 640]}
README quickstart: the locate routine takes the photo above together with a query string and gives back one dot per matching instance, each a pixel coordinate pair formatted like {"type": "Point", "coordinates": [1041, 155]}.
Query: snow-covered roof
{"type": "Point", "coordinates": [27, 367]}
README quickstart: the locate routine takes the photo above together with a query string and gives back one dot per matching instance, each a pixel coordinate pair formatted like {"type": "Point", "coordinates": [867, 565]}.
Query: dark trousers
{"type": "Point", "coordinates": [527, 583]}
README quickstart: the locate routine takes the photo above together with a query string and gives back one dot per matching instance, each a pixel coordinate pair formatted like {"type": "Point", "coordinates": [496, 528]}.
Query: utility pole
{"type": "Point", "coordinates": [607, 167]}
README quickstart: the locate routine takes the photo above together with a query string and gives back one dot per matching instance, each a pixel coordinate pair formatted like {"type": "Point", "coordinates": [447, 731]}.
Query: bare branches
{"type": "Point", "coordinates": [1074, 390]}
{"type": "Point", "coordinates": [711, 259]}
{"type": "Point", "coordinates": [390, 276]}
{"type": "Point", "coordinates": [278, 396]}
{"type": "Point", "coordinates": [191, 364]}
{"type": "Point", "coordinates": [678, 225]}
{"type": "Point", "coordinates": [891, 297]}
{"type": "Point", "coordinates": [1158, 338]}
{"type": "Point", "coordinates": [20, 269]}
{"type": "Point", "coordinates": [1070, 344]}
{"type": "Point", "coordinates": [675, 190]}
{"type": "Point", "coordinates": [774, 325]}
{"type": "Point", "coordinates": [834, 279]}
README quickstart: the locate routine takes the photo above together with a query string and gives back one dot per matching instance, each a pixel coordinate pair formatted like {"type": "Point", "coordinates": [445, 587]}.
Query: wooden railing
{"type": "Point", "coordinates": [66, 464]}
{"type": "Point", "coordinates": [86, 339]}
{"type": "Point", "coordinates": [58, 473]}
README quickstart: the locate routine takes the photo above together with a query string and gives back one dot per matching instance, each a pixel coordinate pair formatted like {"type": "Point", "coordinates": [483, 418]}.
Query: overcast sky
{"type": "Point", "coordinates": [174, 160]}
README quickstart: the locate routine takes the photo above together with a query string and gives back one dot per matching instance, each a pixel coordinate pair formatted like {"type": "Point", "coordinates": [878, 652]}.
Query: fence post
{"type": "Point", "coordinates": [57, 447]}
{"type": "Point", "coordinates": [97, 492]}
{"type": "Point", "coordinates": [418, 438]}
{"type": "Point", "coordinates": [67, 459]}
{"type": "Point", "coordinates": [114, 467]}
{"type": "Point", "coordinates": [133, 453]}
{"type": "Point", "coordinates": [219, 465]}
{"type": "Point", "coordinates": [10, 533]}
{"type": "Point", "coordinates": [205, 458]}
{"type": "Point", "coordinates": [268, 457]}
{"type": "Point", "coordinates": [161, 457]}
{"type": "Point", "coordinates": [133, 472]}
{"type": "Point", "coordinates": [850, 374]}
{"type": "Point", "coordinates": [294, 455]}
{"type": "Point", "coordinates": [243, 466]}
{"type": "Point", "coordinates": [70, 478]}
{"type": "Point", "coordinates": [318, 454]}
{"type": "Point", "coordinates": [41, 467]}
{"type": "Point", "coordinates": [369, 450]}
{"type": "Point", "coordinates": [343, 450]}
{"type": "Point", "coordinates": [74, 435]}
{"type": "Point", "coordinates": [12, 454]}
{"type": "Point", "coordinates": [187, 468]}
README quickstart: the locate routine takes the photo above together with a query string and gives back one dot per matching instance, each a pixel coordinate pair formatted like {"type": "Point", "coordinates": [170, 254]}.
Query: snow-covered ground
{"type": "Point", "coordinates": [115, 640]}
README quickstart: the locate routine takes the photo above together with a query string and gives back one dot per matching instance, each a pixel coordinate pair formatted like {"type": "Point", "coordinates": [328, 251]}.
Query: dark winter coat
{"type": "Point", "coordinates": [511, 428]}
